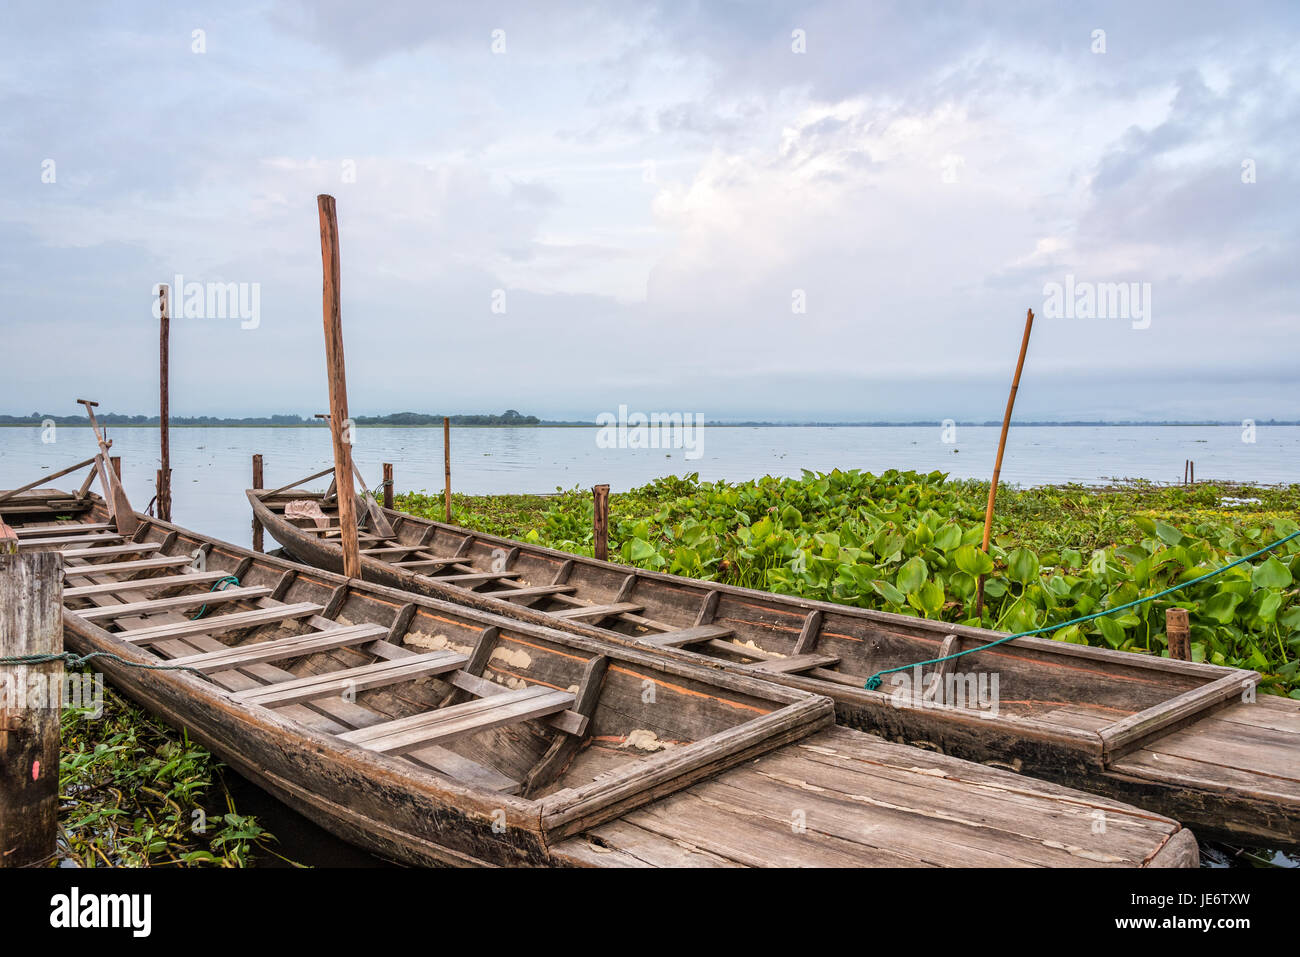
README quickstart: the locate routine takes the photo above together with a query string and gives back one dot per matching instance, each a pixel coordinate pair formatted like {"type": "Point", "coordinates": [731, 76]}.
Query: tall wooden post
{"type": "Point", "coordinates": [388, 485]}
{"type": "Point", "coordinates": [164, 478]}
{"type": "Point", "coordinates": [329, 254]}
{"type": "Point", "coordinates": [1002, 444]}
{"type": "Point", "coordinates": [600, 521]}
{"type": "Point", "coordinates": [31, 623]}
{"type": "Point", "coordinates": [446, 465]}
{"type": "Point", "coordinates": [1179, 634]}
{"type": "Point", "coordinates": [257, 483]}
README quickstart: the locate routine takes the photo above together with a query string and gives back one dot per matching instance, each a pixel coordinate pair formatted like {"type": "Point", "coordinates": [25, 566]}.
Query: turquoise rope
{"type": "Point", "coordinates": [220, 584]}
{"type": "Point", "coordinates": [76, 661]}
{"type": "Point", "coordinates": [874, 681]}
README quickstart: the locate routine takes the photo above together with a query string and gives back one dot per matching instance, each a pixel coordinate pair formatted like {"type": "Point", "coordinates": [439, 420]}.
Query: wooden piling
{"type": "Point", "coordinates": [333, 321]}
{"type": "Point", "coordinates": [258, 542]}
{"type": "Point", "coordinates": [164, 477]}
{"type": "Point", "coordinates": [1002, 444]}
{"type": "Point", "coordinates": [1179, 634]}
{"type": "Point", "coordinates": [1193, 465]}
{"type": "Point", "coordinates": [600, 521]}
{"type": "Point", "coordinates": [1186, 465]}
{"type": "Point", "coordinates": [446, 464]}
{"type": "Point", "coordinates": [388, 485]}
{"type": "Point", "coordinates": [31, 623]}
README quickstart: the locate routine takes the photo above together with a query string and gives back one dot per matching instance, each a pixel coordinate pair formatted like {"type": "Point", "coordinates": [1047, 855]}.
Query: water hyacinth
{"type": "Point", "coordinates": [909, 543]}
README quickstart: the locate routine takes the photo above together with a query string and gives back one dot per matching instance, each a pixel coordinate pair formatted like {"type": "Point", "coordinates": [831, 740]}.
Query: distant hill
{"type": "Point", "coordinates": [508, 418]}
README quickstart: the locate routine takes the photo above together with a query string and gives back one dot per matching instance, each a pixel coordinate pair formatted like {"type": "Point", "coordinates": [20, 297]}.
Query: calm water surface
{"type": "Point", "coordinates": [211, 467]}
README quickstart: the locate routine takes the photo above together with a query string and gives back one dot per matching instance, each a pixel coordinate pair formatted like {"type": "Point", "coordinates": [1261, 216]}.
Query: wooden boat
{"type": "Point", "coordinates": [431, 732]}
{"type": "Point", "coordinates": [1187, 740]}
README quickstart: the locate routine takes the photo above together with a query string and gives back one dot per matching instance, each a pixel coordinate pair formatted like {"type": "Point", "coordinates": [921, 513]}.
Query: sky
{"type": "Point", "coordinates": [830, 211]}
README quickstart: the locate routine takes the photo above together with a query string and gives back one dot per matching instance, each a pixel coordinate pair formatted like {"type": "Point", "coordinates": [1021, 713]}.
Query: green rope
{"type": "Point", "coordinates": [76, 661]}
{"type": "Point", "coordinates": [874, 681]}
{"type": "Point", "coordinates": [219, 584]}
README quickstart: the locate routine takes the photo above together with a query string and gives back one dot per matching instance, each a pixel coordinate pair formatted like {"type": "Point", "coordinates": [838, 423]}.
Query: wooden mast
{"type": "Point", "coordinates": [329, 254]}
{"type": "Point", "coordinates": [164, 489]}
{"type": "Point", "coordinates": [1002, 444]}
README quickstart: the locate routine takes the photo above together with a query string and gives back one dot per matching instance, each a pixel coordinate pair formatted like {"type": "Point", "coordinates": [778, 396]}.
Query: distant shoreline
{"type": "Point", "coordinates": [236, 424]}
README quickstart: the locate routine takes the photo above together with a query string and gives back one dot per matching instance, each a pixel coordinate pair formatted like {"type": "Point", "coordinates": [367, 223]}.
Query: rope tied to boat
{"type": "Point", "coordinates": [77, 661]}
{"type": "Point", "coordinates": [873, 683]}
{"type": "Point", "coordinates": [219, 585]}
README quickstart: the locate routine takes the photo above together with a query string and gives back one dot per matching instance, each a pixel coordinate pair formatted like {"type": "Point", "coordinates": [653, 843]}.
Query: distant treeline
{"type": "Point", "coordinates": [509, 417]}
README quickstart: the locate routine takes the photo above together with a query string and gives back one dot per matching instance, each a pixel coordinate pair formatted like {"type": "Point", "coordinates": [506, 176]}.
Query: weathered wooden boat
{"type": "Point", "coordinates": [431, 732]}
{"type": "Point", "coordinates": [1188, 740]}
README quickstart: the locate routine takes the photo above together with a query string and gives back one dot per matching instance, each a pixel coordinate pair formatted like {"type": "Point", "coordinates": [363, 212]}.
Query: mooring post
{"type": "Point", "coordinates": [164, 479]}
{"type": "Point", "coordinates": [446, 464]}
{"type": "Point", "coordinates": [1002, 444]}
{"type": "Point", "coordinates": [31, 696]}
{"type": "Point", "coordinates": [1186, 463]}
{"type": "Point", "coordinates": [1193, 463]}
{"type": "Point", "coordinates": [600, 521]}
{"type": "Point", "coordinates": [388, 485]}
{"type": "Point", "coordinates": [257, 483]}
{"type": "Point", "coordinates": [1178, 633]}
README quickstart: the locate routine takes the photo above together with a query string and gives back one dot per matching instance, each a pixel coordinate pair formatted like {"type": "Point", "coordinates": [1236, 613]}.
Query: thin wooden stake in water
{"type": "Point", "coordinates": [446, 463]}
{"type": "Point", "coordinates": [257, 483]}
{"type": "Point", "coordinates": [31, 623]}
{"type": "Point", "coordinates": [600, 521]}
{"type": "Point", "coordinates": [164, 478]}
{"type": "Point", "coordinates": [388, 485]}
{"type": "Point", "coordinates": [1002, 445]}
{"type": "Point", "coordinates": [329, 255]}
{"type": "Point", "coordinates": [1178, 633]}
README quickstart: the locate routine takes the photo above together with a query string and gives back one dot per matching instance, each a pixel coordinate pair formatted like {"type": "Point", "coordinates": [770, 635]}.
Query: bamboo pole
{"type": "Point", "coordinates": [600, 521]}
{"type": "Point", "coordinates": [1002, 445]}
{"type": "Point", "coordinates": [1178, 632]}
{"type": "Point", "coordinates": [329, 254]}
{"type": "Point", "coordinates": [164, 478]}
{"type": "Point", "coordinates": [31, 623]}
{"type": "Point", "coordinates": [446, 464]}
{"type": "Point", "coordinates": [258, 541]}
{"type": "Point", "coordinates": [388, 485]}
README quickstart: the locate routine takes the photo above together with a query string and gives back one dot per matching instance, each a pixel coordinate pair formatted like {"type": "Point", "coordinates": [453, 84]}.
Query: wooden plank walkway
{"type": "Point", "coordinates": [842, 798]}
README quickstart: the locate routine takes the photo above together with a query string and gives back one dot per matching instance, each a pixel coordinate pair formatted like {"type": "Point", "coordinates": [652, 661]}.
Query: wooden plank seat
{"type": "Point", "coordinates": [142, 584]}
{"type": "Point", "coordinates": [174, 603]}
{"type": "Point", "coordinates": [364, 678]}
{"type": "Point", "coordinates": [60, 540]}
{"type": "Point", "coordinates": [32, 531]}
{"type": "Point", "coordinates": [475, 577]}
{"type": "Point", "coordinates": [220, 624]}
{"type": "Point", "coordinates": [792, 664]}
{"type": "Point", "coordinates": [280, 649]}
{"type": "Point", "coordinates": [444, 724]}
{"type": "Point", "coordinates": [431, 562]}
{"type": "Point", "coordinates": [143, 564]}
{"type": "Point", "coordinates": [688, 636]}
{"type": "Point", "coordinates": [397, 549]}
{"type": "Point", "coordinates": [534, 591]}
{"type": "Point", "coordinates": [136, 548]}
{"type": "Point", "coordinates": [598, 611]}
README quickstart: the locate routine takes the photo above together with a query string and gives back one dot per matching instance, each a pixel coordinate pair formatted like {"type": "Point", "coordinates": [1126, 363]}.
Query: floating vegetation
{"type": "Point", "coordinates": [908, 542]}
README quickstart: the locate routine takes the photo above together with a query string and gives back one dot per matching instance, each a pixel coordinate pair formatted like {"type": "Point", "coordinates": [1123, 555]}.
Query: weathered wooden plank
{"type": "Point", "coordinates": [597, 611]}
{"type": "Point", "coordinates": [113, 568]}
{"type": "Point", "coordinates": [281, 648]}
{"type": "Point", "coordinates": [445, 724]}
{"type": "Point", "coordinates": [33, 531]}
{"type": "Point", "coordinates": [219, 624]}
{"type": "Point", "coordinates": [688, 636]}
{"type": "Point", "coordinates": [794, 663]}
{"type": "Point", "coordinates": [355, 680]}
{"type": "Point", "coordinates": [143, 584]}
{"type": "Point", "coordinates": [175, 603]}
{"type": "Point", "coordinates": [138, 548]}
{"type": "Point", "coordinates": [61, 540]}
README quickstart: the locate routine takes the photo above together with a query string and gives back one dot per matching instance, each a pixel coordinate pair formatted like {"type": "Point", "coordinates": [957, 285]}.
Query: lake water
{"type": "Point", "coordinates": [211, 467]}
